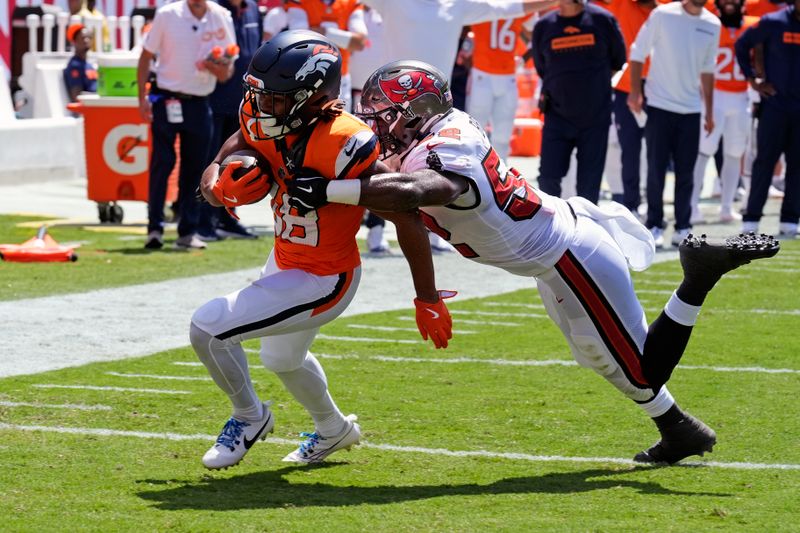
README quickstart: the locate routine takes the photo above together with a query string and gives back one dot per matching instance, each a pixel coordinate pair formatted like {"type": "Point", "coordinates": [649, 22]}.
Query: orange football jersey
{"type": "Point", "coordinates": [759, 8]}
{"type": "Point", "coordinates": [495, 45]}
{"type": "Point", "coordinates": [324, 241]}
{"type": "Point", "coordinates": [728, 76]}
{"type": "Point", "coordinates": [337, 13]}
{"type": "Point", "coordinates": [631, 16]}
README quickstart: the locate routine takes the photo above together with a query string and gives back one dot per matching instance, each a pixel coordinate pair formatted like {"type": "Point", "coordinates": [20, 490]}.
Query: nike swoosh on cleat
{"type": "Point", "coordinates": [248, 443]}
{"type": "Point", "coordinates": [434, 313]}
{"type": "Point", "coordinates": [233, 199]}
{"type": "Point", "coordinates": [304, 189]}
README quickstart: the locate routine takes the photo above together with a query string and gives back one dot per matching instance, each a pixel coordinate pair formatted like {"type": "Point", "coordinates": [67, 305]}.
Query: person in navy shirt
{"type": "Point", "coordinates": [215, 222]}
{"type": "Point", "coordinates": [576, 50]}
{"type": "Point", "coordinates": [779, 118]}
{"type": "Point", "coordinates": [79, 75]}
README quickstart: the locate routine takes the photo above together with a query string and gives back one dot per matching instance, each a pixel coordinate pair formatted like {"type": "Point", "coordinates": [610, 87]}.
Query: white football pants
{"type": "Point", "coordinates": [492, 101]}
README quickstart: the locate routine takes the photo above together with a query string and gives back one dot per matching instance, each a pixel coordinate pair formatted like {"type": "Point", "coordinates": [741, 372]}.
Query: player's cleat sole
{"type": "Point", "coordinates": [236, 439]}
{"type": "Point", "coordinates": [688, 437]}
{"type": "Point", "coordinates": [316, 447]}
{"type": "Point", "coordinates": [705, 261]}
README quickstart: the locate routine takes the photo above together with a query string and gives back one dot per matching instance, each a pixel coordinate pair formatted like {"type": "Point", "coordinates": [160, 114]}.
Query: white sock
{"type": "Point", "coordinates": [699, 177]}
{"type": "Point", "coordinates": [660, 404]}
{"type": "Point", "coordinates": [681, 312]}
{"type": "Point", "coordinates": [309, 386]}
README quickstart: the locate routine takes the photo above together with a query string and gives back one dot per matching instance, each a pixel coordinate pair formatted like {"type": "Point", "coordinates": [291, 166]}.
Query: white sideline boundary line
{"type": "Point", "coordinates": [78, 406]}
{"type": "Point", "coordinates": [102, 432]}
{"type": "Point", "coordinates": [115, 389]}
{"type": "Point", "coordinates": [517, 362]}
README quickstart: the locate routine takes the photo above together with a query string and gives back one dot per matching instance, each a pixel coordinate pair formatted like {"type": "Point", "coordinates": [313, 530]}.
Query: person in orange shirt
{"type": "Point", "coordinates": [292, 117]}
{"type": "Point", "coordinates": [759, 8]}
{"type": "Point", "coordinates": [630, 14]}
{"type": "Point", "coordinates": [341, 21]}
{"type": "Point", "coordinates": [731, 113]}
{"type": "Point", "coordinates": [492, 90]}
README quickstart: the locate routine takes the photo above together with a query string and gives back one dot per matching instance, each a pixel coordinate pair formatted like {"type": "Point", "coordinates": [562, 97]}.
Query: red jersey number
{"type": "Point", "coordinates": [512, 194]}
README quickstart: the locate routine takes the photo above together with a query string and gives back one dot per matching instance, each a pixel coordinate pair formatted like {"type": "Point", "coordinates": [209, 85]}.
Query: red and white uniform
{"type": "Point", "coordinates": [582, 271]}
{"type": "Point", "coordinates": [731, 104]}
{"type": "Point", "coordinates": [314, 268]}
{"type": "Point", "coordinates": [492, 91]}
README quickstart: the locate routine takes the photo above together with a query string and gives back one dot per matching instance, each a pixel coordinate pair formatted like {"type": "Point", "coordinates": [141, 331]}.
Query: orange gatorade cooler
{"type": "Point", "coordinates": [118, 145]}
{"type": "Point", "coordinates": [526, 138]}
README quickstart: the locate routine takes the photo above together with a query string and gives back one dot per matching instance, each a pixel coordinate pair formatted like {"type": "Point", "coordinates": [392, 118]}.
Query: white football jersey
{"type": "Point", "coordinates": [501, 220]}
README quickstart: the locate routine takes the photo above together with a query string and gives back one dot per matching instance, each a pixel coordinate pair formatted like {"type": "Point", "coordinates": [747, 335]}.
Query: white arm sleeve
{"type": "Point", "coordinates": [340, 38]}
{"type": "Point", "coordinates": [645, 39]}
{"type": "Point", "coordinates": [475, 11]}
{"type": "Point", "coordinates": [297, 19]}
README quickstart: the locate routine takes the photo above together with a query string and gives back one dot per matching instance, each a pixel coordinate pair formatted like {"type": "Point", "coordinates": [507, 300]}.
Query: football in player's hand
{"type": "Point", "coordinates": [244, 178]}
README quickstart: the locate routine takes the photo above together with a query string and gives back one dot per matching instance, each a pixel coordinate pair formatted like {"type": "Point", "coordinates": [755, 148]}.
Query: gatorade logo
{"type": "Point", "coordinates": [125, 149]}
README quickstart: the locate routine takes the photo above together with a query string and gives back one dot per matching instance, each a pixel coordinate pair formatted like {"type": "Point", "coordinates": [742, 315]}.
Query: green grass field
{"type": "Point", "coordinates": [501, 431]}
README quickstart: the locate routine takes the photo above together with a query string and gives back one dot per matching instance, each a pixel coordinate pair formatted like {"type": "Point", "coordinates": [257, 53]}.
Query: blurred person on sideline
{"type": "Point", "coordinates": [216, 222]}
{"type": "Point", "coordinates": [681, 40]}
{"type": "Point", "coordinates": [182, 37]}
{"type": "Point", "coordinates": [80, 75]}
{"type": "Point", "coordinates": [341, 21]}
{"type": "Point", "coordinates": [576, 51]}
{"type": "Point", "coordinates": [275, 21]}
{"type": "Point", "coordinates": [731, 112]}
{"type": "Point", "coordinates": [779, 113]}
{"type": "Point", "coordinates": [492, 93]}
{"type": "Point", "coordinates": [630, 15]}
{"type": "Point", "coordinates": [292, 116]}
{"type": "Point", "coordinates": [443, 169]}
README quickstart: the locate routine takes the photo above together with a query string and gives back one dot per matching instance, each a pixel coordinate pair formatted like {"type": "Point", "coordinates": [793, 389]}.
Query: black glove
{"type": "Point", "coordinates": [307, 193]}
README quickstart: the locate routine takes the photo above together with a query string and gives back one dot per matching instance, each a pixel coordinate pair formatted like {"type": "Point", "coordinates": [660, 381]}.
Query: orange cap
{"type": "Point", "coordinates": [73, 30]}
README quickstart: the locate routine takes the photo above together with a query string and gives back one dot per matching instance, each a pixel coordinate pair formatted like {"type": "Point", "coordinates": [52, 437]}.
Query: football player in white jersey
{"type": "Point", "coordinates": [442, 164]}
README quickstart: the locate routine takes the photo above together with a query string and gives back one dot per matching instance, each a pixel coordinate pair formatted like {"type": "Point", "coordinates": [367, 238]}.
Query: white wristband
{"type": "Point", "coordinates": [344, 191]}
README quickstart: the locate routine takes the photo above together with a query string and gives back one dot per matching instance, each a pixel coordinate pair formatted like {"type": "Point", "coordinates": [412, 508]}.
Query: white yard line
{"type": "Point", "coordinates": [473, 322]}
{"type": "Point", "coordinates": [518, 362]}
{"type": "Point", "coordinates": [367, 339]}
{"type": "Point", "coordinates": [502, 304]}
{"type": "Point", "coordinates": [78, 406]}
{"type": "Point", "coordinates": [393, 328]}
{"type": "Point", "coordinates": [115, 389]}
{"type": "Point", "coordinates": [439, 452]}
{"type": "Point", "coordinates": [493, 313]}
{"type": "Point", "coordinates": [157, 376]}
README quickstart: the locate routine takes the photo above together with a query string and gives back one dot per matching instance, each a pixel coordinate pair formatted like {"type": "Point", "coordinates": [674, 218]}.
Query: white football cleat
{"type": "Point", "coordinates": [316, 447]}
{"type": "Point", "coordinates": [237, 438]}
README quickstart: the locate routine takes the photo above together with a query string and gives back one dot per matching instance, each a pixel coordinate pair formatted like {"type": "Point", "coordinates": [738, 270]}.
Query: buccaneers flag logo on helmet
{"type": "Point", "coordinates": [410, 86]}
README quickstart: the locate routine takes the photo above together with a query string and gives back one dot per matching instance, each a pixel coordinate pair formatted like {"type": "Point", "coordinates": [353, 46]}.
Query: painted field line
{"type": "Point", "coordinates": [115, 389]}
{"type": "Point", "coordinates": [793, 312]}
{"type": "Point", "coordinates": [367, 339]}
{"type": "Point", "coordinates": [473, 322]}
{"type": "Point", "coordinates": [776, 270]}
{"type": "Point", "coordinates": [523, 362]}
{"type": "Point", "coordinates": [78, 406]}
{"type": "Point", "coordinates": [393, 328]}
{"type": "Point", "coordinates": [157, 376]}
{"type": "Point", "coordinates": [493, 313]}
{"type": "Point", "coordinates": [440, 452]}
{"type": "Point", "coordinates": [501, 304]}
{"type": "Point", "coordinates": [653, 291]}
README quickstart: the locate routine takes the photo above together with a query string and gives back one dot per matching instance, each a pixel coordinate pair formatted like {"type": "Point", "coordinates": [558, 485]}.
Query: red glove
{"type": "Point", "coordinates": [233, 188]}
{"type": "Point", "coordinates": [434, 320]}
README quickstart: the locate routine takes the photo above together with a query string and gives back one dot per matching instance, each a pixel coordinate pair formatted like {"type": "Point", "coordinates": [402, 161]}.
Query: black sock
{"type": "Point", "coordinates": [663, 349]}
{"type": "Point", "coordinates": [693, 293]}
{"type": "Point", "coordinates": [670, 418]}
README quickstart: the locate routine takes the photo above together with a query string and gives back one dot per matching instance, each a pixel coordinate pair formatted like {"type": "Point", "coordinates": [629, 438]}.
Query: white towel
{"type": "Point", "coordinates": [635, 241]}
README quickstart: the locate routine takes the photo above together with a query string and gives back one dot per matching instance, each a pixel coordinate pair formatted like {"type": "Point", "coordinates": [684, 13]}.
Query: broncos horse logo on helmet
{"type": "Point", "coordinates": [401, 101]}
{"type": "Point", "coordinates": [291, 79]}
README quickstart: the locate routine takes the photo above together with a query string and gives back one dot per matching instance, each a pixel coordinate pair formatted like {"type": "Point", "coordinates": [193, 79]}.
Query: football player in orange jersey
{"type": "Point", "coordinates": [731, 112]}
{"type": "Point", "coordinates": [341, 21]}
{"type": "Point", "coordinates": [492, 91]}
{"type": "Point", "coordinates": [291, 115]}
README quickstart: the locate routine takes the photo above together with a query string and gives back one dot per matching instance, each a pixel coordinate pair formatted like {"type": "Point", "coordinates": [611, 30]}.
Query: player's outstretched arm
{"type": "Point", "coordinates": [392, 191]}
